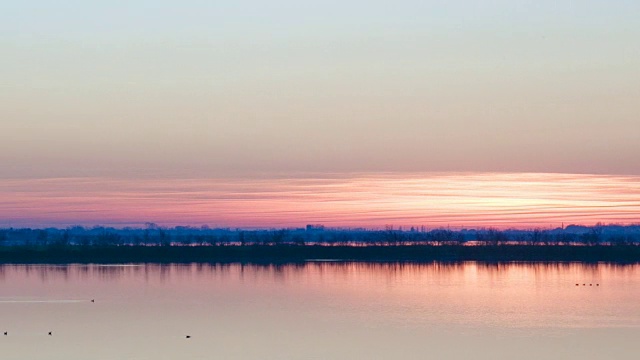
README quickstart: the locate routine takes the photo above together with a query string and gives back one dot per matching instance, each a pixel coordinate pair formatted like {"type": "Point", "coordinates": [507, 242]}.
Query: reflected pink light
{"type": "Point", "coordinates": [362, 200]}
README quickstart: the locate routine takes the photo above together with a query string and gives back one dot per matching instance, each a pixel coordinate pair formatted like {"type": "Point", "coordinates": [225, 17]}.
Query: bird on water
{"type": "Point", "coordinates": [50, 334]}
{"type": "Point", "coordinates": [188, 336]}
{"type": "Point", "coordinates": [6, 333]}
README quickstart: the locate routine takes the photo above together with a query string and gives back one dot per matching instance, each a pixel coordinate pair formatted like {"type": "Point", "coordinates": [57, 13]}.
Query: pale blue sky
{"type": "Point", "coordinates": [206, 88]}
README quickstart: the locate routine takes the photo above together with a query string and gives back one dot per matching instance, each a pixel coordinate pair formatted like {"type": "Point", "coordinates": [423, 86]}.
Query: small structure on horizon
{"type": "Point", "coordinates": [315, 227]}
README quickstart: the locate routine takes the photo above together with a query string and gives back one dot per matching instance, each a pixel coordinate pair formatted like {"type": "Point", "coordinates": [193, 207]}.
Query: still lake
{"type": "Point", "coordinates": [321, 310]}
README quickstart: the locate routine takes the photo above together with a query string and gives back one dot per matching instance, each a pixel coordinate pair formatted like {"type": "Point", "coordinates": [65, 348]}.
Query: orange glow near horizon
{"type": "Point", "coordinates": [503, 200]}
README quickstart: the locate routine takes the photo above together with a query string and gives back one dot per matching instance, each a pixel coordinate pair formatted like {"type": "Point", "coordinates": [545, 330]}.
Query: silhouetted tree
{"type": "Point", "coordinates": [536, 237]}
{"type": "Point", "coordinates": [43, 236]}
{"type": "Point", "coordinates": [493, 237]}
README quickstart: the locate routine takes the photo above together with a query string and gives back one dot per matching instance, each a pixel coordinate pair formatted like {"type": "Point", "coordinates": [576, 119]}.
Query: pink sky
{"type": "Point", "coordinates": [357, 200]}
{"type": "Point", "coordinates": [100, 97]}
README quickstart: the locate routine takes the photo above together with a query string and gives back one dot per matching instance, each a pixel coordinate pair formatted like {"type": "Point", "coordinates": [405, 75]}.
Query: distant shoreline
{"type": "Point", "coordinates": [287, 253]}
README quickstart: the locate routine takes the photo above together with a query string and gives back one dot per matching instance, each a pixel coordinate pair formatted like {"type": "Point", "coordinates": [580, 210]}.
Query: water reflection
{"type": "Point", "coordinates": [284, 272]}
{"type": "Point", "coordinates": [329, 309]}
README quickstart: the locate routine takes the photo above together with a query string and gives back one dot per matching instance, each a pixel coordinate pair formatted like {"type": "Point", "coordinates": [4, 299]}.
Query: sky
{"type": "Point", "coordinates": [369, 200]}
{"type": "Point", "coordinates": [213, 88]}
{"type": "Point", "coordinates": [248, 89]}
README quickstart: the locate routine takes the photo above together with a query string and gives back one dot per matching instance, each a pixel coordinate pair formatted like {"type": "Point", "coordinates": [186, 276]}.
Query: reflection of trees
{"type": "Point", "coordinates": [444, 272]}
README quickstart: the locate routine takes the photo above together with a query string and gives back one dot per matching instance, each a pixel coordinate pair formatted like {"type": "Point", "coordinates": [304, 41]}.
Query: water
{"type": "Point", "coordinates": [320, 310]}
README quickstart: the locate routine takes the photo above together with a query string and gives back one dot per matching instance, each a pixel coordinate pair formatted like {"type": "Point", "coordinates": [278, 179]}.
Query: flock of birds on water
{"type": "Point", "coordinates": [50, 333]}
{"type": "Point", "coordinates": [6, 333]}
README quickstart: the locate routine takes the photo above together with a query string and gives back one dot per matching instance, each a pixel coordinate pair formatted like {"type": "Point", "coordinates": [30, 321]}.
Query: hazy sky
{"type": "Point", "coordinates": [364, 200]}
{"type": "Point", "coordinates": [216, 88]}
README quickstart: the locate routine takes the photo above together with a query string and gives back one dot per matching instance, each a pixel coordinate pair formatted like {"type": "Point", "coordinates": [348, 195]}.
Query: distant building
{"type": "Point", "coordinates": [315, 227]}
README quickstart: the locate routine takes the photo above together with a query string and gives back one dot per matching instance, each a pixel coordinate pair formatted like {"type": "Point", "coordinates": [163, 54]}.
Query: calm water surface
{"type": "Point", "coordinates": [320, 310]}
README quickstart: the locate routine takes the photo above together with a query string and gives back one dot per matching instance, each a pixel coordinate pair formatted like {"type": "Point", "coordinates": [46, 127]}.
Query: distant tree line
{"type": "Point", "coordinates": [153, 235]}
